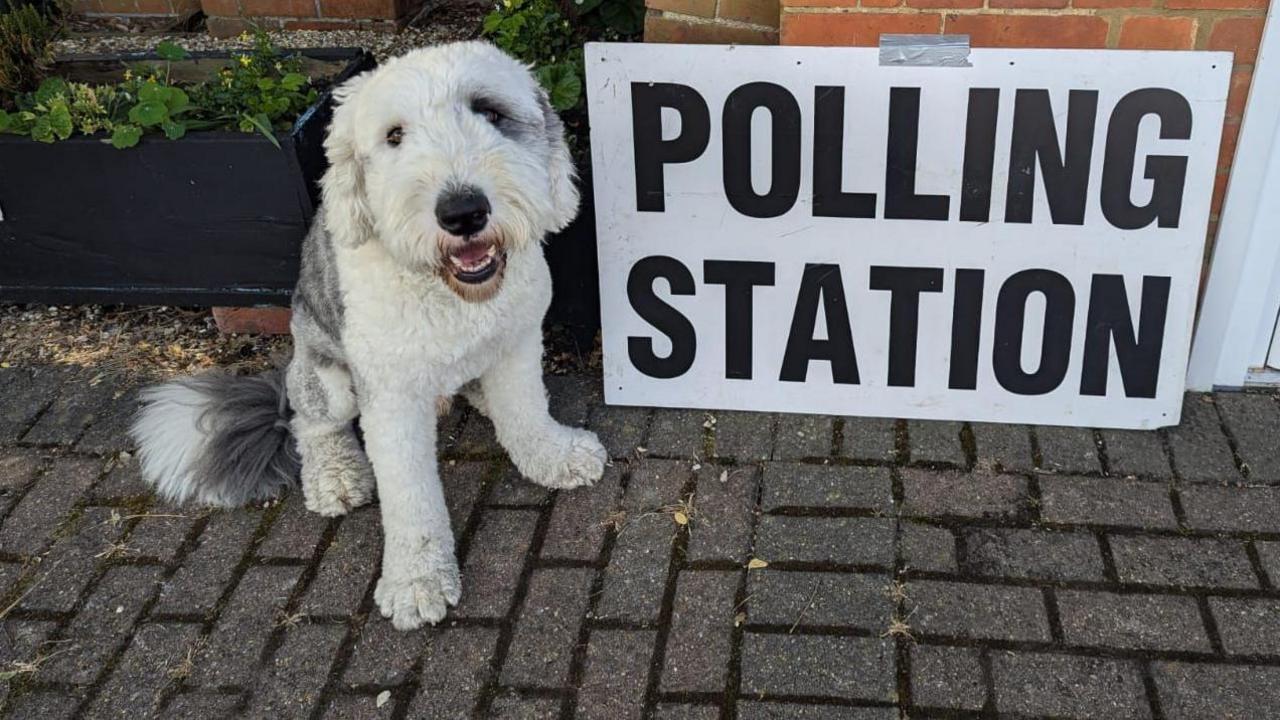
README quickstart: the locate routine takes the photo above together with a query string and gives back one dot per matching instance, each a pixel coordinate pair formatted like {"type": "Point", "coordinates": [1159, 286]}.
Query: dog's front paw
{"type": "Point", "coordinates": [417, 601]}
{"type": "Point", "coordinates": [572, 459]}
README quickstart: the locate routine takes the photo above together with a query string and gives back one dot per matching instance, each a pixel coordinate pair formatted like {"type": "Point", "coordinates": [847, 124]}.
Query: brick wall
{"type": "Point", "coordinates": [1234, 25]}
{"type": "Point", "coordinates": [170, 8]}
{"type": "Point", "coordinates": [230, 17]}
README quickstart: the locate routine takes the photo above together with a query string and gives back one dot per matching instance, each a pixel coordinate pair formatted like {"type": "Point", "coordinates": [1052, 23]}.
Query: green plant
{"type": "Point", "coordinates": [26, 50]}
{"type": "Point", "coordinates": [549, 36]}
{"type": "Point", "coordinates": [258, 91]}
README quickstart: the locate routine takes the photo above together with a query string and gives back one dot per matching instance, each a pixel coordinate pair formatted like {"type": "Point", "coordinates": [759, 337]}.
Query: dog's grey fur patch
{"type": "Point", "coordinates": [217, 438]}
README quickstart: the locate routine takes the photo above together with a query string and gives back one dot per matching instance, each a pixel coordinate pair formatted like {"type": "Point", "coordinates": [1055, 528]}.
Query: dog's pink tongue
{"type": "Point", "coordinates": [471, 253]}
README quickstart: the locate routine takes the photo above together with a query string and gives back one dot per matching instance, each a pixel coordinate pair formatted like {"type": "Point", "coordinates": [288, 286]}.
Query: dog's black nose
{"type": "Point", "coordinates": [463, 212]}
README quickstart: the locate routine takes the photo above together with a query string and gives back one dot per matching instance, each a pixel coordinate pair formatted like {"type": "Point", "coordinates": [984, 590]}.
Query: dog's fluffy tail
{"type": "Point", "coordinates": [217, 439]}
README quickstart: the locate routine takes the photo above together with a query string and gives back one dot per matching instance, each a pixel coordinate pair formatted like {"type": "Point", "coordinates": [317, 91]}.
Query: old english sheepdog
{"type": "Point", "coordinates": [422, 277]}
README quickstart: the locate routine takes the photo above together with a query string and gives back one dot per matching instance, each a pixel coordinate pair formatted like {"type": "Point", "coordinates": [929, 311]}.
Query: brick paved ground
{"type": "Point", "coordinates": [915, 569]}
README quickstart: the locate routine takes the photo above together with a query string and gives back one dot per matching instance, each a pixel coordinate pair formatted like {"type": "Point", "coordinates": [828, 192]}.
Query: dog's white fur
{"type": "Point", "coordinates": [397, 331]}
{"type": "Point", "coordinates": [408, 337]}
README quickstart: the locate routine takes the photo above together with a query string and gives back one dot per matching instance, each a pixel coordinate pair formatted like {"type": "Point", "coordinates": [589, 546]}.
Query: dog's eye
{"type": "Point", "coordinates": [490, 115]}
{"type": "Point", "coordinates": [395, 135]}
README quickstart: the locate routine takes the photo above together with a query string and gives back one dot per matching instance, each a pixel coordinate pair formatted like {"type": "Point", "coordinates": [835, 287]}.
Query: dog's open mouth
{"type": "Point", "coordinates": [475, 261]}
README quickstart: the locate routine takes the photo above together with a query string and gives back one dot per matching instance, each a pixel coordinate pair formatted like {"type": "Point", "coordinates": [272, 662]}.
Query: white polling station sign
{"type": "Point", "coordinates": [806, 230]}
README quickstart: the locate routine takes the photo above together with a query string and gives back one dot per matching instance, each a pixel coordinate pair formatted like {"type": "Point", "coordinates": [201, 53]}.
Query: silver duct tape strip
{"type": "Point", "coordinates": [925, 50]}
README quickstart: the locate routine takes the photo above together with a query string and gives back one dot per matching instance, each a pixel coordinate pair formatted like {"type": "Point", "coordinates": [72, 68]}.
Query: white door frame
{"type": "Point", "coordinates": [1242, 298]}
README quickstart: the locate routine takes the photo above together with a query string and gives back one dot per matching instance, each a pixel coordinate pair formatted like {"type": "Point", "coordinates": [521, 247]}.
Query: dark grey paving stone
{"type": "Point", "coordinates": [356, 707]}
{"type": "Point", "coordinates": [869, 439]}
{"type": "Point", "coordinates": [1106, 501]}
{"type": "Point", "coordinates": [290, 684]}
{"type": "Point", "coordinates": [296, 531]}
{"type": "Point", "coordinates": [547, 630]}
{"type": "Point", "coordinates": [1247, 626]}
{"type": "Point", "coordinates": [615, 675]}
{"type": "Point", "coordinates": [204, 705]}
{"type": "Point", "coordinates": [514, 707]}
{"type": "Point", "coordinates": [33, 520]}
{"type": "Point", "coordinates": [206, 570]}
{"type": "Point", "coordinates": [755, 710]}
{"type": "Point", "coordinates": [1217, 692]}
{"type": "Point", "coordinates": [1183, 562]}
{"type": "Point", "coordinates": [1254, 422]}
{"type": "Point", "coordinates": [965, 610]}
{"type": "Point", "coordinates": [476, 438]}
{"type": "Point", "coordinates": [1136, 452]}
{"type": "Point", "coordinates": [348, 567]}
{"type": "Point", "coordinates": [1132, 621]}
{"type": "Point", "coordinates": [678, 711]}
{"type": "Point", "coordinates": [947, 677]}
{"type": "Point", "coordinates": [947, 493]}
{"type": "Point", "coordinates": [454, 671]}
{"type": "Point", "coordinates": [27, 392]}
{"type": "Point", "coordinates": [1200, 450]}
{"type": "Point", "coordinates": [825, 486]}
{"type": "Point", "coordinates": [1230, 509]}
{"type": "Point", "coordinates": [512, 488]}
{"type": "Point", "coordinates": [121, 483]}
{"type": "Point", "coordinates": [382, 655]}
{"type": "Point", "coordinates": [848, 541]}
{"type": "Point", "coordinates": [804, 436]}
{"type": "Point", "coordinates": [63, 574]}
{"type": "Point", "coordinates": [102, 625]}
{"type": "Point", "coordinates": [463, 483]}
{"type": "Point", "coordinates": [1067, 450]}
{"type": "Point", "coordinates": [801, 599]}
{"type": "Point", "coordinates": [725, 500]}
{"type": "Point", "coordinates": [621, 429]}
{"type": "Point", "coordinates": [841, 667]}
{"type": "Point", "coordinates": [581, 518]}
{"type": "Point", "coordinates": [677, 433]}
{"type": "Point", "coordinates": [933, 441]}
{"type": "Point", "coordinates": [1062, 685]}
{"type": "Point", "coordinates": [18, 467]}
{"type": "Point", "coordinates": [25, 640]}
{"type": "Point", "coordinates": [108, 431]}
{"type": "Point", "coordinates": [1033, 554]}
{"type": "Point", "coordinates": [77, 405]}
{"type": "Point", "coordinates": [1269, 553]}
{"type": "Point", "coordinates": [157, 656]}
{"type": "Point", "coordinates": [571, 397]}
{"type": "Point", "coordinates": [928, 548]}
{"type": "Point", "coordinates": [743, 436]}
{"type": "Point", "coordinates": [636, 576]}
{"type": "Point", "coordinates": [240, 635]}
{"type": "Point", "coordinates": [1002, 447]}
{"type": "Point", "coordinates": [45, 705]}
{"type": "Point", "coordinates": [159, 533]}
{"type": "Point", "coordinates": [697, 656]}
{"type": "Point", "coordinates": [497, 555]}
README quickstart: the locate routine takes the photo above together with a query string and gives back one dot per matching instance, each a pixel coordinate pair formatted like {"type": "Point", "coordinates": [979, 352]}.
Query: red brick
{"type": "Point", "coordinates": [1239, 35]}
{"type": "Point", "coordinates": [279, 8]}
{"type": "Point", "coordinates": [862, 29]}
{"type": "Point", "coordinates": [220, 8]}
{"type": "Point", "coordinates": [1158, 33]}
{"type": "Point", "coordinates": [756, 12]}
{"type": "Point", "coordinates": [358, 9]}
{"type": "Point", "coordinates": [153, 7]}
{"type": "Point", "coordinates": [1238, 96]}
{"type": "Point", "coordinates": [1030, 31]}
{"type": "Point", "coordinates": [1216, 4]}
{"type": "Point", "coordinates": [1227, 151]}
{"type": "Point", "coordinates": [1028, 3]}
{"type": "Point", "coordinates": [257, 321]}
{"type": "Point", "coordinates": [86, 7]}
{"type": "Point", "coordinates": [224, 27]}
{"type": "Point", "coordinates": [113, 7]}
{"type": "Point", "coordinates": [949, 4]}
{"type": "Point", "coordinates": [701, 8]}
{"type": "Point", "coordinates": [840, 3]}
{"type": "Point", "coordinates": [1112, 3]}
{"type": "Point", "coordinates": [339, 24]}
{"type": "Point", "coordinates": [670, 30]}
{"type": "Point", "coordinates": [877, 3]}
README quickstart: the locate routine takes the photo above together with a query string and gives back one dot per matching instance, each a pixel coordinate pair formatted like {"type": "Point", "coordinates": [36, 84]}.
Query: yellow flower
{"type": "Point", "coordinates": [245, 60]}
{"type": "Point", "coordinates": [128, 74]}
{"type": "Point", "coordinates": [245, 36]}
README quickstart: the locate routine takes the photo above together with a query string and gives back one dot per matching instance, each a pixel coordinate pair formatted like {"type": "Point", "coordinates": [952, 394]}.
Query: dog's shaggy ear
{"type": "Point", "coordinates": [564, 192]}
{"type": "Point", "coordinates": [346, 211]}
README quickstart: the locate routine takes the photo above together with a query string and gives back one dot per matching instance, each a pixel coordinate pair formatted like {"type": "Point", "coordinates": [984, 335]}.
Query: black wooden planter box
{"type": "Point", "coordinates": [215, 218]}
